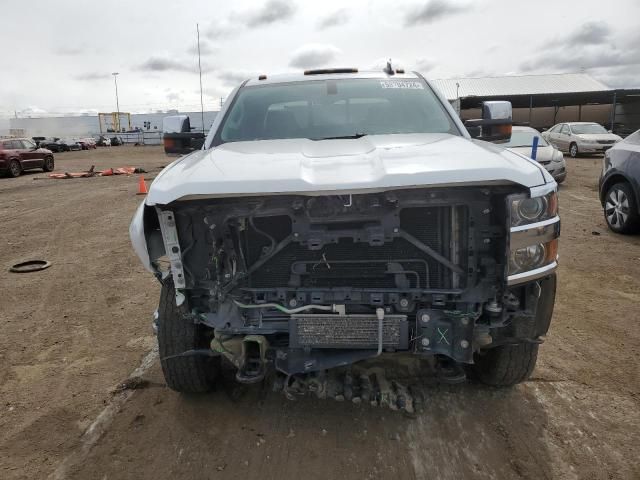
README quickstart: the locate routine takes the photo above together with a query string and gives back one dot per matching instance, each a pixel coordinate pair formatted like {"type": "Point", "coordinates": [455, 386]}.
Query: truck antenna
{"type": "Point", "coordinates": [200, 71]}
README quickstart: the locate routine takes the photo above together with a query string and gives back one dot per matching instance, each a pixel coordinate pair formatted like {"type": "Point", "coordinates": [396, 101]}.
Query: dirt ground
{"type": "Point", "coordinates": [72, 333]}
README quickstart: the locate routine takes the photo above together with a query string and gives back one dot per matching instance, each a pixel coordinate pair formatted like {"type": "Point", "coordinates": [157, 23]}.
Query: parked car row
{"type": "Point", "coordinates": [64, 145]}
{"type": "Point", "coordinates": [109, 142]}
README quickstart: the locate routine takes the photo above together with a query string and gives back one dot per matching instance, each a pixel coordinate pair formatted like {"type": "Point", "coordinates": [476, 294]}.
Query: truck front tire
{"type": "Point", "coordinates": [178, 334]}
{"type": "Point", "coordinates": [507, 365]}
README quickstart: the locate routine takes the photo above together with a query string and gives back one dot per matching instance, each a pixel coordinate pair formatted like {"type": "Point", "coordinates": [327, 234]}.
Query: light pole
{"type": "Point", "coordinates": [115, 80]}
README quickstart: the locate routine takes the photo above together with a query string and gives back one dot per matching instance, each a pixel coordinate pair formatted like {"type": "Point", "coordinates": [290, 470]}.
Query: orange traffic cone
{"type": "Point", "coordinates": [142, 187]}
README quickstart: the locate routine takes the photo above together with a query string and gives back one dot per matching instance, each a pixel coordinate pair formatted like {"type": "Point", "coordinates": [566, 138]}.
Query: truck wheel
{"type": "Point", "coordinates": [619, 209]}
{"type": "Point", "coordinates": [176, 334]}
{"type": "Point", "coordinates": [506, 365]}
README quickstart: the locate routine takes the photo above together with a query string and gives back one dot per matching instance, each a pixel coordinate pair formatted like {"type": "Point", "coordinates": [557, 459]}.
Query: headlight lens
{"type": "Point", "coordinates": [535, 256]}
{"type": "Point", "coordinates": [532, 210]}
{"type": "Point", "coordinates": [527, 258]}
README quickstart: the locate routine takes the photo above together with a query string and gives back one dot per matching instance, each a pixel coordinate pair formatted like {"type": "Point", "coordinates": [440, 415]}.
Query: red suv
{"type": "Point", "coordinates": [18, 154]}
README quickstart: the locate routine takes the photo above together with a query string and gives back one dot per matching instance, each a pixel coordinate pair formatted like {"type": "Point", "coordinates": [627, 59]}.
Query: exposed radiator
{"type": "Point", "coordinates": [331, 267]}
{"type": "Point", "coordinates": [347, 331]}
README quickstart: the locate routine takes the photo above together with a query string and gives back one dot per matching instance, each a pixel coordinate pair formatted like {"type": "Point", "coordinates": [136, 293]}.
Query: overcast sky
{"type": "Point", "coordinates": [57, 56]}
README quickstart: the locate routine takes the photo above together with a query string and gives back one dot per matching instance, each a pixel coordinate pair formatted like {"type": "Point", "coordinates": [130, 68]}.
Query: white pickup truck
{"type": "Point", "coordinates": [336, 215]}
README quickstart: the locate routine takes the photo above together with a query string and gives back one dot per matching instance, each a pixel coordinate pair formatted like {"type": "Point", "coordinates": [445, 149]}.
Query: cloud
{"type": "Point", "coordinates": [164, 64]}
{"type": "Point", "coordinates": [590, 33]}
{"type": "Point", "coordinates": [611, 57]}
{"type": "Point", "coordinates": [174, 97]}
{"type": "Point", "coordinates": [69, 51]}
{"type": "Point", "coordinates": [619, 77]}
{"type": "Point", "coordinates": [596, 50]}
{"type": "Point", "coordinates": [424, 65]}
{"type": "Point", "coordinates": [171, 64]}
{"type": "Point", "coordinates": [92, 76]}
{"type": "Point", "coordinates": [271, 12]}
{"type": "Point", "coordinates": [432, 11]}
{"type": "Point", "coordinates": [231, 78]}
{"type": "Point", "coordinates": [218, 28]}
{"type": "Point", "coordinates": [339, 17]}
{"type": "Point", "coordinates": [313, 55]}
{"type": "Point", "coordinates": [206, 48]}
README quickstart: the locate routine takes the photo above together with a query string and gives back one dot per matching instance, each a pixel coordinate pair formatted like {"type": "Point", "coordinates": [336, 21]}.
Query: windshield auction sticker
{"type": "Point", "coordinates": [402, 84]}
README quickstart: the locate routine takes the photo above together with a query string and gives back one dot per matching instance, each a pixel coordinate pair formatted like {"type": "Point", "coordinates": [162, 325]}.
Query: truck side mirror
{"type": "Point", "coordinates": [495, 124]}
{"type": "Point", "coordinates": [177, 137]}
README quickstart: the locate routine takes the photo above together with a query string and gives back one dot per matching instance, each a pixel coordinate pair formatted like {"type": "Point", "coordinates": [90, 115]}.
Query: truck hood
{"type": "Point", "coordinates": [377, 162]}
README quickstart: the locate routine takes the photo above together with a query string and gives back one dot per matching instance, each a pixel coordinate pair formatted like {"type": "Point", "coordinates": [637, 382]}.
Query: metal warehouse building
{"type": "Point", "coordinates": [544, 100]}
{"type": "Point", "coordinates": [88, 125]}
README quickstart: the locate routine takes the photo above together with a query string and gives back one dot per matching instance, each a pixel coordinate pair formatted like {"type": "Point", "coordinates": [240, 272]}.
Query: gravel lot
{"type": "Point", "coordinates": [74, 332]}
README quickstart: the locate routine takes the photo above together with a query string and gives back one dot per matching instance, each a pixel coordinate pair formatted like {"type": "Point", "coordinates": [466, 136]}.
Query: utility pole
{"type": "Point", "coordinates": [117, 125]}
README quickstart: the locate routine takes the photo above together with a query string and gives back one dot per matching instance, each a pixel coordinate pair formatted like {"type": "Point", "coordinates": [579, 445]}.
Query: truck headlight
{"type": "Point", "coordinates": [532, 210]}
{"type": "Point", "coordinates": [532, 257]}
{"type": "Point", "coordinates": [533, 237]}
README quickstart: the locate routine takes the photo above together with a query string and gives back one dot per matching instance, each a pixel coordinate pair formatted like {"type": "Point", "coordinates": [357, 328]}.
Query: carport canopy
{"type": "Point", "coordinates": [535, 91]}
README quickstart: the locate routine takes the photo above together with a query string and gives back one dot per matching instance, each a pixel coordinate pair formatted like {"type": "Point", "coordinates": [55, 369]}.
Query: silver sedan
{"type": "Point", "coordinates": [548, 156]}
{"type": "Point", "coordinates": [580, 137]}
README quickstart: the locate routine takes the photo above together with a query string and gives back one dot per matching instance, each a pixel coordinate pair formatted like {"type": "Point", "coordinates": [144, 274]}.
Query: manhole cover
{"type": "Point", "coordinates": [30, 266]}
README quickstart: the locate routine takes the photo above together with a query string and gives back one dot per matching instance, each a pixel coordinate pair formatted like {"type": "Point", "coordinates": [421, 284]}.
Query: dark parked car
{"type": "Point", "coordinates": [87, 143]}
{"type": "Point", "coordinates": [53, 144]}
{"type": "Point", "coordinates": [620, 185]}
{"type": "Point", "coordinates": [18, 154]}
{"type": "Point", "coordinates": [73, 145]}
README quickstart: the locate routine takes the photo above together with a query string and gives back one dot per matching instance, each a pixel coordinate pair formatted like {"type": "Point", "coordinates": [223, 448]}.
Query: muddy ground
{"type": "Point", "coordinates": [72, 333]}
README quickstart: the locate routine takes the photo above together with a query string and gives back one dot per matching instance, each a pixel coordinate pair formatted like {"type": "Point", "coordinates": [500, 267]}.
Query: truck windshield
{"type": "Point", "coordinates": [329, 109]}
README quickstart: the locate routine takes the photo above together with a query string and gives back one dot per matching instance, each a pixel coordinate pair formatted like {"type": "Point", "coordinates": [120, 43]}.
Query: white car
{"type": "Point", "coordinates": [522, 142]}
{"type": "Point", "coordinates": [580, 138]}
{"type": "Point", "coordinates": [338, 215]}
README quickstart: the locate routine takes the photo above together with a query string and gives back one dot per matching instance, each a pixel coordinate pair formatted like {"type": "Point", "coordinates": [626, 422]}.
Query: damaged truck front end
{"type": "Point", "coordinates": [306, 283]}
{"type": "Point", "coordinates": [336, 216]}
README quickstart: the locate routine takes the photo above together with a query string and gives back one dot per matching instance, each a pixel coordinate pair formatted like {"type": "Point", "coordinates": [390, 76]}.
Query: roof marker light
{"type": "Point", "coordinates": [321, 71]}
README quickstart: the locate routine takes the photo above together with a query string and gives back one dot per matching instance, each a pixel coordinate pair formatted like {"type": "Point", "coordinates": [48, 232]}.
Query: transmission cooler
{"type": "Point", "coordinates": [348, 331]}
